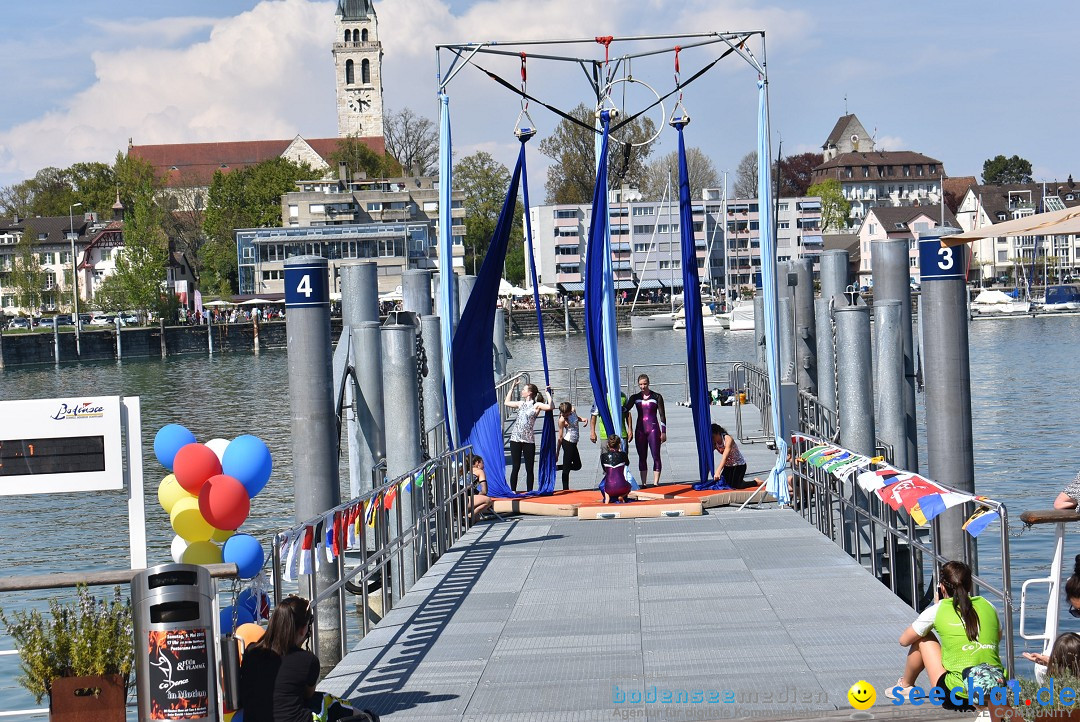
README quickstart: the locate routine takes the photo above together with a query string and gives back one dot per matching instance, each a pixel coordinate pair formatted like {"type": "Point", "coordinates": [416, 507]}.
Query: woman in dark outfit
{"type": "Point", "coordinates": [278, 676]}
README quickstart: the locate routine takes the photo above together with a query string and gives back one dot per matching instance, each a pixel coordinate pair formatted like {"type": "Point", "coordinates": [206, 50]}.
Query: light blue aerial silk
{"type": "Point", "coordinates": [600, 334]}
{"type": "Point", "coordinates": [697, 371]}
{"type": "Point", "coordinates": [777, 481]}
{"type": "Point", "coordinates": [479, 419]}
{"type": "Point", "coordinates": [447, 288]}
{"type": "Point", "coordinates": [546, 479]}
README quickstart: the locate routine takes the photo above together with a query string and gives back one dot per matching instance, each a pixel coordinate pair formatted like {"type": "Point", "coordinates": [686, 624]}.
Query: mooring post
{"type": "Point", "coordinates": [889, 383]}
{"type": "Point", "coordinates": [416, 292]}
{"type": "Point", "coordinates": [434, 394]}
{"type": "Point", "coordinates": [892, 282]}
{"type": "Point", "coordinates": [119, 346]}
{"type": "Point", "coordinates": [786, 331]}
{"type": "Point", "coordinates": [402, 427]}
{"type": "Point", "coordinates": [566, 313]}
{"type": "Point", "coordinates": [359, 304]}
{"type": "Point", "coordinates": [56, 341]}
{"type": "Point", "coordinates": [826, 368]}
{"type": "Point", "coordinates": [834, 276]}
{"type": "Point", "coordinates": [359, 292]}
{"type": "Point", "coordinates": [313, 422]}
{"type": "Point", "coordinates": [759, 330]}
{"type": "Point", "coordinates": [805, 332]}
{"type": "Point", "coordinates": [949, 446]}
{"type": "Point", "coordinates": [464, 290]}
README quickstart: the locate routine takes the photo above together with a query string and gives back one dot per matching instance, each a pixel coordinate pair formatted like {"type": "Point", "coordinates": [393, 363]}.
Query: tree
{"type": "Point", "coordinates": [514, 265]}
{"type": "Point", "coordinates": [27, 277]}
{"type": "Point", "coordinates": [142, 263]}
{"type": "Point", "coordinates": [699, 167]}
{"type": "Point", "coordinates": [412, 140]}
{"type": "Point", "coordinates": [484, 182]}
{"type": "Point", "coordinates": [571, 177]}
{"type": "Point", "coordinates": [17, 200]}
{"type": "Point", "coordinates": [1000, 170]}
{"type": "Point", "coordinates": [834, 207]}
{"type": "Point", "coordinates": [796, 172]}
{"type": "Point", "coordinates": [359, 158]}
{"type": "Point", "coordinates": [746, 176]}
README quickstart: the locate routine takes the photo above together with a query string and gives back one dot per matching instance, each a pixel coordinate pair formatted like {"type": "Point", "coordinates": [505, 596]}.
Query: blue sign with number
{"type": "Point", "coordinates": [938, 262]}
{"type": "Point", "coordinates": [307, 286]}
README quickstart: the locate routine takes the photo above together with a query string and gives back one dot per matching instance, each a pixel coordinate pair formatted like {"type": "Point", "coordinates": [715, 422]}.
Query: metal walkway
{"type": "Point", "coordinates": [564, 619]}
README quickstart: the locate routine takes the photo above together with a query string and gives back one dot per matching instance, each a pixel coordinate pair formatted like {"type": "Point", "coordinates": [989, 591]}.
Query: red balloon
{"type": "Point", "coordinates": [224, 502]}
{"type": "Point", "coordinates": [193, 465]}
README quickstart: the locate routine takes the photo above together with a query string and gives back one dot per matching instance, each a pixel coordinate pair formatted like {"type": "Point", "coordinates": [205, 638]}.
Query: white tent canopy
{"type": "Point", "coordinates": [219, 303]}
{"type": "Point", "coordinates": [508, 289]}
{"type": "Point", "coordinates": [1065, 222]}
{"type": "Point", "coordinates": [547, 291]}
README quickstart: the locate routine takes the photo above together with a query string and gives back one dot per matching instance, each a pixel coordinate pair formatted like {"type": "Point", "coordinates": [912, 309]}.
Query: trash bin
{"type": "Point", "coordinates": [175, 665]}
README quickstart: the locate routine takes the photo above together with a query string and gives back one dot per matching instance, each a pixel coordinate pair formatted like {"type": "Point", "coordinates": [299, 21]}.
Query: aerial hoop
{"type": "Point", "coordinates": [608, 104]}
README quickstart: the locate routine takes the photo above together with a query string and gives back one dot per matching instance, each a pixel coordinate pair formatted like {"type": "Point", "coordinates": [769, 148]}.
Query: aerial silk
{"type": "Point", "coordinates": [600, 335]}
{"type": "Point", "coordinates": [777, 481]}
{"type": "Point", "coordinates": [479, 421]}
{"type": "Point", "coordinates": [546, 480]}
{"type": "Point", "coordinates": [447, 296]}
{"type": "Point", "coordinates": [695, 332]}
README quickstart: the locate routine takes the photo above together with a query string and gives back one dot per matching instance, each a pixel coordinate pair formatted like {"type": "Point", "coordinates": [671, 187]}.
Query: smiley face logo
{"type": "Point", "coordinates": [862, 695]}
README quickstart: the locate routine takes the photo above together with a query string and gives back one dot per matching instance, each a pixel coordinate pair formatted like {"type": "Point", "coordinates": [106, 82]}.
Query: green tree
{"type": "Point", "coordinates": [484, 181]}
{"type": "Point", "coordinates": [700, 169]}
{"type": "Point", "coordinates": [514, 265]}
{"type": "Point", "coordinates": [27, 277]}
{"type": "Point", "coordinates": [1000, 170]}
{"type": "Point", "coordinates": [141, 265]}
{"type": "Point", "coordinates": [95, 187]}
{"type": "Point", "coordinates": [835, 209]}
{"type": "Point", "coordinates": [572, 176]}
{"type": "Point", "coordinates": [359, 158]}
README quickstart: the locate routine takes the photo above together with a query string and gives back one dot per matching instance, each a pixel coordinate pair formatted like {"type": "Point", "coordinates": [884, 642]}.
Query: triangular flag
{"type": "Point", "coordinates": [287, 552]}
{"type": "Point", "coordinates": [388, 498]}
{"type": "Point", "coordinates": [980, 520]}
{"type": "Point", "coordinates": [307, 551]}
{"type": "Point", "coordinates": [931, 505]}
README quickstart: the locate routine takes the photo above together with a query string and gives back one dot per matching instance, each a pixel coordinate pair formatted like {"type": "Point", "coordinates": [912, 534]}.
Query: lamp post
{"type": "Point", "coordinates": [74, 277]}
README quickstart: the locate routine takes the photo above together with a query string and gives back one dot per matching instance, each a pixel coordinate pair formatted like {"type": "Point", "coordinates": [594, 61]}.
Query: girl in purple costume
{"type": "Point", "coordinates": [614, 462]}
{"type": "Point", "coordinates": [651, 427]}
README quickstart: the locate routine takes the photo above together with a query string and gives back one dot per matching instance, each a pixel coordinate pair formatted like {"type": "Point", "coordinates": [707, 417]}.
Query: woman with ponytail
{"type": "Point", "coordinates": [954, 640]}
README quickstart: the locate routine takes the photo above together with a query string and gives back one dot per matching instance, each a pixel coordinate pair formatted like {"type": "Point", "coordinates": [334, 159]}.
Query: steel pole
{"type": "Point", "coordinates": [854, 369]}
{"type": "Point", "coordinates": [416, 292]}
{"type": "Point", "coordinates": [359, 292]}
{"type": "Point", "coordinates": [434, 394]}
{"type": "Point", "coordinates": [889, 382]}
{"type": "Point", "coordinates": [834, 276]}
{"type": "Point", "coordinates": [787, 340]}
{"type": "Point", "coordinates": [826, 367]}
{"type": "Point", "coordinates": [759, 330]}
{"type": "Point", "coordinates": [314, 420]}
{"type": "Point", "coordinates": [891, 271]}
{"type": "Point", "coordinates": [75, 280]}
{"type": "Point", "coordinates": [805, 332]}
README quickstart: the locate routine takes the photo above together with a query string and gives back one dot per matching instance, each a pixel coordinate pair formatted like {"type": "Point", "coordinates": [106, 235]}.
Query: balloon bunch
{"type": "Point", "coordinates": [208, 497]}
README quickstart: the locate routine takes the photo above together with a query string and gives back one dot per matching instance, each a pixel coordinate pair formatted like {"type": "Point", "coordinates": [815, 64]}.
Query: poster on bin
{"type": "Point", "coordinates": [179, 679]}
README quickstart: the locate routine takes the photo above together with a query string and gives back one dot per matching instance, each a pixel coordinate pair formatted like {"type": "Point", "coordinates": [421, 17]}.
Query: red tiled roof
{"type": "Point", "coordinates": [194, 164]}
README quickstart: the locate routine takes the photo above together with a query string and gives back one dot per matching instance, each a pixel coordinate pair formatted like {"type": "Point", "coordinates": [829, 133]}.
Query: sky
{"type": "Point", "coordinates": [959, 81]}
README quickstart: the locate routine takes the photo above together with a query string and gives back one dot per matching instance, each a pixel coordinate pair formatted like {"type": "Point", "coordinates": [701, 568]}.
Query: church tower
{"type": "Point", "coordinates": [358, 68]}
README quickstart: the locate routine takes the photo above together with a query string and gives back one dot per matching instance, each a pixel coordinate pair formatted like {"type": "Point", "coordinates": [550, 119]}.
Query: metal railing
{"type": "Point", "coordinates": [889, 543]}
{"type": "Point", "coordinates": [441, 505]}
{"type": "Point", "coordinates": [751, 386]}
{"type": "Point", "coordinates": [1059, 518]}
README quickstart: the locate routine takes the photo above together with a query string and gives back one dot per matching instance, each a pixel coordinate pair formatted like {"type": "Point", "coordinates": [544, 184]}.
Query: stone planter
{"type": "Point", "coordinates": [88, 699]}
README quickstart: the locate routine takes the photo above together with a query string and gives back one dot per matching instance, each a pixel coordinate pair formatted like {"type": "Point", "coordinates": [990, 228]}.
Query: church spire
{"type": "Point", "coordinates": [355, 9]}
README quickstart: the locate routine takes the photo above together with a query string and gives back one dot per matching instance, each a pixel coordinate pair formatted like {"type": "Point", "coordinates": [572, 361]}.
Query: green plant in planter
{"type": "Point", "coordinates": [1029, 689]}
{"type": "Point", "coordinates": [88, 637]}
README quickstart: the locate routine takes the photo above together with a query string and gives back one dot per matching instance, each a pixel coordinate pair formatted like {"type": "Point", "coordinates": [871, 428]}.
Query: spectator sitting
{"type": "Point", "coordinates": [1072, 594]}
{"type": "Point", "coordinates": [1070, 496]}
{"type": "Point", "coordinates": [481, 502]}
{"type": "Point", "coordinates": [1064, 657]}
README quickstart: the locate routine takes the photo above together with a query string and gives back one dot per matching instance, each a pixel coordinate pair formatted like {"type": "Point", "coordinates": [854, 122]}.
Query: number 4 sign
{"type": "Point", "coordinates": [307, 286]}
{"type": "Point", "coordinates": [938, 262]}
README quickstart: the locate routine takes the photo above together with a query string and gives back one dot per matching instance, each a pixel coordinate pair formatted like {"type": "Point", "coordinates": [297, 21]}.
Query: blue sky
{"type": "Point", "coordinates": [959, 81]}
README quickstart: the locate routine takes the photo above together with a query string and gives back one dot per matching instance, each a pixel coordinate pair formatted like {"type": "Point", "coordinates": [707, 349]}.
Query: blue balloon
{"type": "Point", "coordinates": [246, 553]}
{"type": "Point", "coordinates": [238, 716]}
{"type": "Point", "coordinates": [169, 440]}
{"type": "Point", "coordinates": [243, 616]}
{"type": "Point", "coordinates": [250, 601]}
{"type": "Point", "coordinates": [247, 460]}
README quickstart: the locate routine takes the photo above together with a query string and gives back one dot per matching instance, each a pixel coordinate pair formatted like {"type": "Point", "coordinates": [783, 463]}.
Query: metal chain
{"type": "Point", "coordinates": [835, 371]}
{"type": "Point", "coordinates": [421, 372]}
{"type": "Point", "coordinates": [235, 606]}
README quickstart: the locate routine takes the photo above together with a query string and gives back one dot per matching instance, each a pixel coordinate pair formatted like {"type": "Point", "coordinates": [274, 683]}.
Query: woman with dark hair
{"type": "Point", "coordinates": [615, 487]}
{"type": "Point", "coordinates": [278, 676]}
{"type": "Point", "coordinates": [954, 640]}
{"type": "Point", "coordinates": [481, 502]}
{"type": "Point", "coordinates": [523, 433]}
{"type": "Point", "coordinates": [1072, 594]}
{"type": "Point", "coordinates": [732, 464]}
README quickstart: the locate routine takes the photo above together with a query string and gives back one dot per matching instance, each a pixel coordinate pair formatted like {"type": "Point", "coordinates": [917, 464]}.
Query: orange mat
{"type": "Point", "coordinates": [709, 498]}
{"type": "Point", "coordinates": [569, 503]}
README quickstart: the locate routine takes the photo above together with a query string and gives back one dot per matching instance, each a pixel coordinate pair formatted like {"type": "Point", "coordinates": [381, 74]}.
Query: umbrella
{"type": "Point", "coordinates": [1055, 223]}
{"type": "Point", "coordinates": [254, 302]}
{"type": "Point", "coordinates": [505, 288]}
{"type": "Point", "coordinates": [219, 303]}
{"type": "Point", "coordinates": [518, 291]}
{"type": "Point", "coordinates": [547, 291]}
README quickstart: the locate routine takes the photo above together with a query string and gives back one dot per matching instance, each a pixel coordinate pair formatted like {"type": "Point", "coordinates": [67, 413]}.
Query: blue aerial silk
{"type": "Point", "coordinates": [546, 480]}
{"type": "Point", "coordinates": [695, 332]}
{"type": "Point", "coordinates": [479, 420]}
{"type": "Point", "coordinates": [600, 336]}
{"type": "Point", "coordinates": [777, 481]}
{"type": "Point", "coordinates": [447, 299]}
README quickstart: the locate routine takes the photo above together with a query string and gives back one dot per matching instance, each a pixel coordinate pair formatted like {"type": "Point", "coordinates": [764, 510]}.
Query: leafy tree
{"type": "Point", "coordinates": [834, 207]}
{"type": "Point", "coordinates": [412, 140]}
{"type": "Point", "coordinates": [133, 176]}
{"type": "Point", "coordinates": [95, 187]}
{"type": "Point", "coordinates": [17, 200]}
{"type": "Point", "coordinates": [796, 172]}
{"type": "Point", "coordinates": [359, 158]}
{"type": "Point", "coordinates": [141, 265]}
{"type": "Point", "coordinates": [27, 277]}
{"type": "Point", "coordinates": [699, 167]}
{"type": "Point", "coordinates": [484, 181]}
{"type": "Point", "coordinates": [1000, 170]}
{"type": "Point", "coordinates": [514, 265]}
{"type": "Point", "coordinates": [746, 176]}
{"type": "Point", "coordinates": [571, 177]}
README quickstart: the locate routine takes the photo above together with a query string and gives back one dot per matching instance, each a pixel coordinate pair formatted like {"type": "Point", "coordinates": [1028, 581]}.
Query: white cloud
{"type": "Point", "coordinates": [890, 142]}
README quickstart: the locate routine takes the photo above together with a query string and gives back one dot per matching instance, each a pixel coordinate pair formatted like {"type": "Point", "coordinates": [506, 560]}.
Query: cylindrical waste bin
{"type": "Point", "coordinates": [175, 650]}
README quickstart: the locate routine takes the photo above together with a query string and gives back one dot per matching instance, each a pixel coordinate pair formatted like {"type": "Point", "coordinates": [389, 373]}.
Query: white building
{"type": "Point", "coordinates": [906, 223]}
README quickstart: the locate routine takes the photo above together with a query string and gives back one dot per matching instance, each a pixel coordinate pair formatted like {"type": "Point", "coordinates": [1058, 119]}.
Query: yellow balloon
{"type": "Point", "coordinates": [222, 535]}
{"type": "Point", "coordinates": [188, 521]}
{"type": "Point", "coordinates": [202, 552]}
{"type": "Point", "coordinates": [169, 492]}
{"type": "Point", "coordinates": [228, 716]}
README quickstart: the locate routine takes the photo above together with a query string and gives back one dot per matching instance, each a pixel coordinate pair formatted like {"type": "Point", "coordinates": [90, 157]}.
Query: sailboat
{"type": "Point", "coordinates": [740, 317]}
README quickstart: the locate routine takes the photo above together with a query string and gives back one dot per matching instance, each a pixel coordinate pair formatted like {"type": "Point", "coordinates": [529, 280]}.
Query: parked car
{"type": "Point", "coordinates": [62, 319]}
{"type": "Point", "coordinates": [103, 321]}
{"type": "Point", "coordinates": [85, 319]}
{"type": "Point", "coordinates": [19, 323]}
{"type": "Point", "coordinates": [127, 318]}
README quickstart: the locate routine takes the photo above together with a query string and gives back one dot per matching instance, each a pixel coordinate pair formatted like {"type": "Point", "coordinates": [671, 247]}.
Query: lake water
{"type": "Point", "coordinates": [1024, 400]}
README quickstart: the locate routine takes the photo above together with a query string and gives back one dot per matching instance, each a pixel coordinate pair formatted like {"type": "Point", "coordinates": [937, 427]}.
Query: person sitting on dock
{"type": "Point", "coordinates": [278, 676]}
{"type": "Point", "coordinates": [732, 464]}
{"type": "Point", "coordinates": [1070, 496]}
{"type": "Point", "coordinates": [953, 640]}
{"type": "Point", "coordinates": [481, 502]}
{"type": "Point", "coordinates": [1064, 658]}
{"type": "Point", "coordinates": [615, 487]}
{"type": "Point", "coordinates": [1072, 594]}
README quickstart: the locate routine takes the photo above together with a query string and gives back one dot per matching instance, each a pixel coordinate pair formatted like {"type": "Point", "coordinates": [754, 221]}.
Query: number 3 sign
{"type": "Point", "coordinates": [940, 262]}
{"type": "Point", "coordinates": [306, 286]}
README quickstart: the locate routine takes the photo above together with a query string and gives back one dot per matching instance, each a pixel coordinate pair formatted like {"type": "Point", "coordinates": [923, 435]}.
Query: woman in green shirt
{"type": "Point", "coordinates": [954, 639]}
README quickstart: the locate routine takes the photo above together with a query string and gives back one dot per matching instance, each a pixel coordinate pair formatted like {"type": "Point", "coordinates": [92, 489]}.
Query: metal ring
{"type": "Point", "coordinates": [663, 111]}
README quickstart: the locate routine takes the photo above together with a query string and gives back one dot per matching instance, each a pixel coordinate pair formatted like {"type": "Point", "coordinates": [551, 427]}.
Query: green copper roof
{"type": "Point", "coordinates": [355, 9]}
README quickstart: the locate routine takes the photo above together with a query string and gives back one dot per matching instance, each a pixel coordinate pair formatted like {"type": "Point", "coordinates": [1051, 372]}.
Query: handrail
{"type": "Point", "coordinates": [748, 379]}
{"type": "Point", "coordinates": [69, 580]}
{"type": "Point", "coordinates": [872, 533]}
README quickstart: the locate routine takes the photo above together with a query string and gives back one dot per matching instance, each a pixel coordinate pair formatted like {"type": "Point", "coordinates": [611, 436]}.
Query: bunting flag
{"type": "Point", "coordinates": [350, 528]}
{"type": "Point", "coordinates": [432, 470]}
{"type": "Point", "coordinates": [372, 510]}
{"type": "Point", "coordinates": [390, 495]}
{"type": "Point", "coordinates": [980, 520]}
{"type": "Point", "coordinates": [287, 551]}
{"type": "Point", "coordinates": [307, 551]}
{"type": "Point", "coordinates": [929, 506]}
{"type": "Point", "coordinates": [873, 480]}
{"type": "Point", "coordinates": [904, 493]}
{"type": "Point", "coordinates": [813, 450]}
